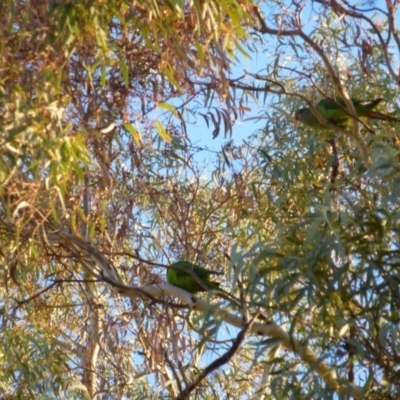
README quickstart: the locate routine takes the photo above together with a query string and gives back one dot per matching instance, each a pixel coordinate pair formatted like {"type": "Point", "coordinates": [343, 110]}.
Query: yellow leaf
{"type": "Point", "coordinates": [137, 137]}
{"type": "Point", "coordinates": [170, 108]}
{"type": "Point", "coordinates": [162, 131]}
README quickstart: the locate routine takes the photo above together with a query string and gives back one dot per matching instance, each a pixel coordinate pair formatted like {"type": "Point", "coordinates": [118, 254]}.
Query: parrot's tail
{"type": "Point", "coordinates": [384, 117]}
{"type": "Point", "coordinates": [372, 104]}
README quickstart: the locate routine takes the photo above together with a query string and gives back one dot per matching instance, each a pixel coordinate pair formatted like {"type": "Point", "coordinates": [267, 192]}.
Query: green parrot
{"type": "Point", "coordinates": [186, 281]}
{"type": "Point", "coordinates": [333, 113]}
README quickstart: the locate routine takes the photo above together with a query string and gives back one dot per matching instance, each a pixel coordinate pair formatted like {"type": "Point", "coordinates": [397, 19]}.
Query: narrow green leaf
{"type": "Point", "coordinates": [125, 72]}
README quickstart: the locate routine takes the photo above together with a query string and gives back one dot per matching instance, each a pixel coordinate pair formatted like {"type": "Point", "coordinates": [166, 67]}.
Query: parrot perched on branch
{"type": "Point", "coordinates": [184, 280]}
{"type": "Point", "coordinates": [334, 111]}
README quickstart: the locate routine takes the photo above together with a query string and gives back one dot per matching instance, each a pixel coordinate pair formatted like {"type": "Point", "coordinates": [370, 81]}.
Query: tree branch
{"type": "Point", "coordinates": [224, 359]}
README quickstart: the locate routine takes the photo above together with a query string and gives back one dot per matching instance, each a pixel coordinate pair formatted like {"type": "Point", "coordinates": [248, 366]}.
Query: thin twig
{"type": "Point", "coordinates": [219, 362]}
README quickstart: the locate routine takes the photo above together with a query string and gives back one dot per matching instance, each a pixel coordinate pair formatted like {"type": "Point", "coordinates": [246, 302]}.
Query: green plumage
{"type": "Point", "coordinates": [333, 112]}
{"type": "Point", "coordinates": [306, 117]}
{"type": "Point", "coordinates": [182, 279]}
